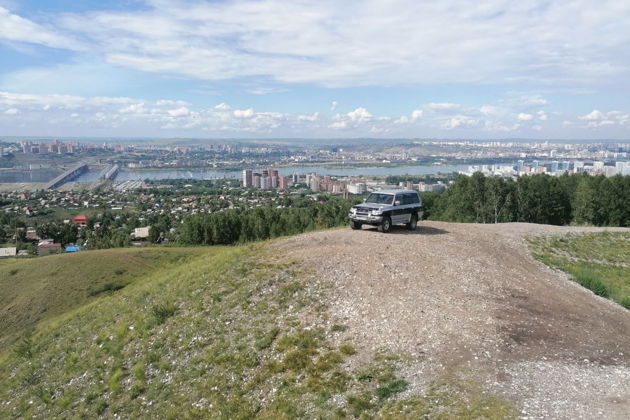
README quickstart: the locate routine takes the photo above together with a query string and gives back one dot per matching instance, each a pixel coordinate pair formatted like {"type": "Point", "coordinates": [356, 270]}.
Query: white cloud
{"type": "Point", "coordinates": [243, 113]}
{"type": "Point", "coordinates": [416, 114]}
{"type": "Point", "coordinates": [542, 116]}
{"type": "Point", "coordinates": [594, 115]}
{"type": "Point", "coordinates": [525, 117]}
{"type": "Point", "coordinates": [434, 42]}
{"type": "Point", "coordinates": [312, 117]}
{"type": "Point", "coordinates": [179, 112]}
{"type": "Point", "coordinates": [133, 109]}
{"type": "Point", "coordinates": [338, 125]}
{"type": "Point", "coordinates": [29, 114]}
{"type": "Point", "coordinates": [378, 130]}
{"type": "Point", "coordinates": [488, 110]}
{"type": "Point", "coordinates": [359, 114]}
{"type": "Point", "coordinates": [600, 123]}
{"type": "Point", "coordinates": [333, 105]}
{"type": "Point", "coordinates": [264, 91]}
{"type": "Point", "coordinates": [443, 106]}
{"type": "Point", "coordinates": [459, 121]}
{"type": "Point", "coordinates": [170, 102]}
{"type": "Point", "coordinates": [15, 28]}
{"type": "Point", "coordinates": [597, 119]}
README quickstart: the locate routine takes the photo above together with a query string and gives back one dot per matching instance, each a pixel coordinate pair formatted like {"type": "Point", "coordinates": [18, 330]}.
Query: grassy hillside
{"type": "Point", "coordinates": [40, 288]}
{"type": "Point", "coordinates": [598, 261]}
{"type": "Point", "coordinates": [222, 335]}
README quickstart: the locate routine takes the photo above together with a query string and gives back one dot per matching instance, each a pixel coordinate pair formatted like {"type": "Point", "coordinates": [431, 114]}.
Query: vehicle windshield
{"type": "Point", "coordinates": [377, 198]}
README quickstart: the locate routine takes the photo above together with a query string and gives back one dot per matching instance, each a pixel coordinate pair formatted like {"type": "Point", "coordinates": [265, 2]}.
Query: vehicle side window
{"type": "Point", "coordinates": [414, 199]}
{"type": "Point", "coordinates": [408, 199]}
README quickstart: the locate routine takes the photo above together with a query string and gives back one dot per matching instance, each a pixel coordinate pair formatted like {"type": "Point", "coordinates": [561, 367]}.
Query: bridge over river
{"type": "Point", "coordinates": [69, 175]}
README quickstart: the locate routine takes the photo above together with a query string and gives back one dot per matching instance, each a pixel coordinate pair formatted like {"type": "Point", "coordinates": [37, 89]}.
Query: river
{"type": "Point", "coordinates": [126, 174]}
{"type": "Point", "coordinates": [131, 174]}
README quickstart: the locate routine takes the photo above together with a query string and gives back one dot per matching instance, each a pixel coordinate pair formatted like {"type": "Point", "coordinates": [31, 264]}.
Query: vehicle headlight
{"type": "Point", "coordinates": [377, 212]}
{"type": "Point", "coordinates": [353, 210]}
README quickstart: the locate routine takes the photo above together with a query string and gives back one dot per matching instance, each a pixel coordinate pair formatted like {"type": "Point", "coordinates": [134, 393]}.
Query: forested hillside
{"type": "Point", "coordinates": [236, 226]}
{"type": "Point", "coordinates": [568, 199]}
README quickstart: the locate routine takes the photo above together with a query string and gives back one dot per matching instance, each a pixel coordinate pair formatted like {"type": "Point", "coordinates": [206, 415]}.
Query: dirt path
{"type": "Point", "coordinates": [465, 297]}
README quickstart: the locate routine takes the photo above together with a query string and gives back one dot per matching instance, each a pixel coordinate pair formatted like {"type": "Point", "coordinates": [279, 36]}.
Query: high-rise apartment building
{"type": "Point", "coordinates": [247, 178]}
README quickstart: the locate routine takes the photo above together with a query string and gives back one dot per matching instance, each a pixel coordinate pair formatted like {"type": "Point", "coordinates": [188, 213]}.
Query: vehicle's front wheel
{"type": "Point", "coordinates": [385, 225]}
{"type": "Point", "coordinates": [355, 225]}
{"type": "Point", "coordinates": [413, 223]}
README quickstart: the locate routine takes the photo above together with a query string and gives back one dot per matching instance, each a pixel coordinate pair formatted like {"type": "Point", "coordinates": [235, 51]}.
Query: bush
{"type": "Point", "coordinates": [162, 311]}
{"type": "Point", "coordinates": [590, 280]}
{"type": "Point", "coordinates": [394, 387]}
{"type": "Point", "coordinates": [107, 287]}
{"type": "Point", "coordinates": [625, 302]}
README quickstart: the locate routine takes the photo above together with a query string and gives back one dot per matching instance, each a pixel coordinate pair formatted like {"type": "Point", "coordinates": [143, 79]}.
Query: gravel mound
{"type": "Point", "coordinates": [470, 298]}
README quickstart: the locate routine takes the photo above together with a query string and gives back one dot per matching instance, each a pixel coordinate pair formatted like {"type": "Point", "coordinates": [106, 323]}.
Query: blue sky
{"type": "Point", "coordinates": [316, 68]}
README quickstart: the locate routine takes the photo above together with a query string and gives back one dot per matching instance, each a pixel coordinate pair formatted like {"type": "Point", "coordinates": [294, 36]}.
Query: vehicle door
{"type": "Point", "coordinates": [400, 213]}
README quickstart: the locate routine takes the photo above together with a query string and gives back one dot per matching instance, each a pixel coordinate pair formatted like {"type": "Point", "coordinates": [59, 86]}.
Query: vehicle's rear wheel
{"type": "Point", "coordinates": [355, 225]}
{"type": "Point", "coordinates": [385, 225]}
{"type": "Point", "coordinates": [413, 223]}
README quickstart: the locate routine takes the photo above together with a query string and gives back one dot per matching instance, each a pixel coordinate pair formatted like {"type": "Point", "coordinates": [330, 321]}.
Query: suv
{"type": "Point", "coordinates": [387, 208]}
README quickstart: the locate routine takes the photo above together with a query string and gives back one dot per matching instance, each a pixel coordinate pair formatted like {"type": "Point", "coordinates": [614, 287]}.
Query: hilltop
{"type": "Point", "coordinates": [470, 298]}
{"type": "Point", "coordinates": [453, 320]}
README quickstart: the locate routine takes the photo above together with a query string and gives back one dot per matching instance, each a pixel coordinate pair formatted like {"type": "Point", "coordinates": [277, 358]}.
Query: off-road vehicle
{"type": "Point", "coordinates": [386, 208]}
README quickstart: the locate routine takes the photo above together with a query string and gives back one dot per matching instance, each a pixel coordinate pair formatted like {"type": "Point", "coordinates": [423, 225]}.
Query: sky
{"type": "Point", "coordinates": [540, 69]}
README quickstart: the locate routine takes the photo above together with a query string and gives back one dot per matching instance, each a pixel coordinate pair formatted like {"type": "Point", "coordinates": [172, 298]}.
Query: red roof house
{"type": "Point", "coordinates": [80, 219]}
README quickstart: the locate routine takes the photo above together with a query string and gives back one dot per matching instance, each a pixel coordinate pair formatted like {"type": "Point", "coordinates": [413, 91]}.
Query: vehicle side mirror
{"type": "Point", "coordinates": [364, 200]}
{"type": "Point", "coordinates": [397, 203]}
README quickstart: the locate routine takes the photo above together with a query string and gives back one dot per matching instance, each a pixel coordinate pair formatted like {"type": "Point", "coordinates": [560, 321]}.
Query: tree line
{"type": "Point", "coordinates": [563, 200]}
{"type": "Point", "coordinates": [238, 226]}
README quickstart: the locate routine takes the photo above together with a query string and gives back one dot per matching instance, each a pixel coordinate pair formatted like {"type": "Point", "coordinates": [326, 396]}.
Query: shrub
{"type": "Point", "coordinates": [347, 349]}
{"type": "Point", "coordinates": [339, 328]}
{"type": "Point", "coordinates": [394, 387]}
{"type": "Point", "coordinates": [25, 348]}
{"type": "Point", "coordinates": [107, 287]}
{"type": "Point", "coordinates": [162, 311]}
{"type": "Point", "coordinates": [590, 280]}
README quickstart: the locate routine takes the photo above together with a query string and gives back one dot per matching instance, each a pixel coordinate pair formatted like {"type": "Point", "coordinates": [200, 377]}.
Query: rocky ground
{"type": "Point", "coordinates": [467, 298]}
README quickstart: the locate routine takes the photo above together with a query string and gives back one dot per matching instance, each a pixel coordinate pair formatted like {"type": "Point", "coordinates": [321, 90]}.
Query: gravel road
{"type": "Point", "coordinates": [470, 298]}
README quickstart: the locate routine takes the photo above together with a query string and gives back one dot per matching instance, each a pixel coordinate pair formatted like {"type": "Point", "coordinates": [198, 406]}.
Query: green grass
{"type": "Point", "coordinates": [597, 261]}
{"type": "Point", "coordinates": [36, 289]}
{"type": "Point", "coordinates": [218, 336]}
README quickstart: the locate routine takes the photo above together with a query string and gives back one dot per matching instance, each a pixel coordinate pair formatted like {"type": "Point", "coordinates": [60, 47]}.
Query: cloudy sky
{"type": "Point", "coordinates": [316, 68]}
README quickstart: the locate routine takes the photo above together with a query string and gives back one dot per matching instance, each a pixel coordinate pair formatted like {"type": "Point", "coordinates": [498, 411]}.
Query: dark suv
{"type": "Point", "coordinates": [387, 208]}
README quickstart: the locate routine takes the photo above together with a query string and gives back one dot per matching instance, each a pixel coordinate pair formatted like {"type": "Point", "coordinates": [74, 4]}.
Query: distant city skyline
{"type": "Point", "coordinates": [315, 69]}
